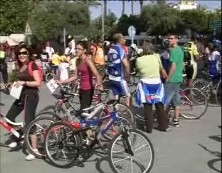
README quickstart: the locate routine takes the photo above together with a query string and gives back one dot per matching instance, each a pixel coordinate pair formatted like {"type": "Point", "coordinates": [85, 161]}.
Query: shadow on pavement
{"type": "Point", "coordinates": [214, 164]}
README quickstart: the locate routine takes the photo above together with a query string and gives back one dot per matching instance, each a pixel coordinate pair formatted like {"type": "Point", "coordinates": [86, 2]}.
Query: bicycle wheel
{"type": "Point", "coordinates": [138, 110]}
{"type": "Point", "coordinates": [194, 103]}
{"type": "Point", "coordinates": [61, 145]}
{"type": "Point", "coordinates": [35, 135]}
{"type": "Point", "coordinates": [218, 93]}
{"type": "Point", "coordinates": [134, 154]}
{"type": "Point", "coordinates": [125, 111]}
{"type": "Point", "coordinates": [115, 129]}
{"type": "Point", "coordinates": [49, 76]}
{"type": "Point", "coordinates": [202, 85]}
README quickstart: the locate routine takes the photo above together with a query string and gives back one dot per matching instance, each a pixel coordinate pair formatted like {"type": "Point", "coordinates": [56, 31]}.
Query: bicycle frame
{"type": "Point", "coordinates": [8, 127]}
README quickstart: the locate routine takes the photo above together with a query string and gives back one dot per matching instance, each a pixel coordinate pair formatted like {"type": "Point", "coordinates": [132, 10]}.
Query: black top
{"type": "Point", "coordinates": [26, 76]}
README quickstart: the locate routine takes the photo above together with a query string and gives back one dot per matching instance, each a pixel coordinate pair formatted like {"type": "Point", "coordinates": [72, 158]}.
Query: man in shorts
{"type": "Point", "coordinates": [175, 78]}
{"type": "Point", "coordinates": [118, 69]}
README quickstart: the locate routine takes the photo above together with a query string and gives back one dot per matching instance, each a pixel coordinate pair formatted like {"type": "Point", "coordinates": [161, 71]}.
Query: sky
{"type": "Point", "coordinates": [116, 7]}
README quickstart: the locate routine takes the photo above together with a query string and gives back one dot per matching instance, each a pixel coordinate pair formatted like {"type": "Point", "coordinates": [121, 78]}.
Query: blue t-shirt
{"type": "Point", "coordinates": [114, 62]}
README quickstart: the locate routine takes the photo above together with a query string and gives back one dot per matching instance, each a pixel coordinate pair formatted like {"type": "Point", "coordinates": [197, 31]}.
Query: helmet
{"type": "Point", "coordinates": [134, 46]}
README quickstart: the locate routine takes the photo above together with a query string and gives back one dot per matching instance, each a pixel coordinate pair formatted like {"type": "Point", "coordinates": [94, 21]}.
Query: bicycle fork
{"type": "Point", "coordinates": [8, 127]}
{"type": "Point", "coordinates": [126, 142]}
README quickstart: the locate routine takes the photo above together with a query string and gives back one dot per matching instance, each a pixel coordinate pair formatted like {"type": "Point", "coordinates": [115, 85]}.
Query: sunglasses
{"type": "Point", "coordinates": [23, 53]}
{"type": "Point", "coordinates": [170, 38]}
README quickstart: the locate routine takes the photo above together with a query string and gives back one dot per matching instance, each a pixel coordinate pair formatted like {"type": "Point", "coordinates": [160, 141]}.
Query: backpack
{"type": "Point", "coordinates": [40, 69]}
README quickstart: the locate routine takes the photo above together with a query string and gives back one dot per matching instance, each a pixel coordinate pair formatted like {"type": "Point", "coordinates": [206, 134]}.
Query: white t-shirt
{"type": "Point", "coordinates": [50, 51]}
{"type": "Point", "coordinates": [64, 74]}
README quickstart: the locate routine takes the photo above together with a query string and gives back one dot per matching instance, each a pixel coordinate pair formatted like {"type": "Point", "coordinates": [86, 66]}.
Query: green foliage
{"type": "Point", "coordinates": [125, 21]}
{"type": "Point", "coordinates": [14, 15]}
{"type": "Point", "coordinates": [159, 19]}
{"type": "Point", "coordinates": [109, 24]}
{"type": "Point", "coordinates": [49, 19]}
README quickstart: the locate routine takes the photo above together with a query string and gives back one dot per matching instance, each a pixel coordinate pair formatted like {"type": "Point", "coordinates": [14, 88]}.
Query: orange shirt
{"type": "Point", "coordinates": [99, 57]}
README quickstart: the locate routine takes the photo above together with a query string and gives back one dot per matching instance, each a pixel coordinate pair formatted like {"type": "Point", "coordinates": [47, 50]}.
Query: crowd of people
{"type": "Point", "coordinates": [160, 74]}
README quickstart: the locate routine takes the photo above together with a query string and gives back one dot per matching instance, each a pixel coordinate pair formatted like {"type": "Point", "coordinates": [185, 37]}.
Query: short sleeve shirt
{"type": "Point", "coordinates": [177, 56]}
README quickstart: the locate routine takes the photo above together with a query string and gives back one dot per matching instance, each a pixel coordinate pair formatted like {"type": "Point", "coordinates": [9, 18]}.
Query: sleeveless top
{"type": "Point", "coordinates": [85, 75]}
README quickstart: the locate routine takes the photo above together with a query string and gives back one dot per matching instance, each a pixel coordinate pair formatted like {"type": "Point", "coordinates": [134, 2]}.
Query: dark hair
{"type": "Point", "coordinates": [148, 47]}
{"type": "Point", "coordinates": [173, 34]}
{"type": "Point", "coordinates": [84, 44]}
{"type": "Point", "coordinates": [29, 50]}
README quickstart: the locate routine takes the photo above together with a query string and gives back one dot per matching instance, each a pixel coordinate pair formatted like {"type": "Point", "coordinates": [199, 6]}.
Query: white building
{"type": "Point", "coordinates": [185, 5]}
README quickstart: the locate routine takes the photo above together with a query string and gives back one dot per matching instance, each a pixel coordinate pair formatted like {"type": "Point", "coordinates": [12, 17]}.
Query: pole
{"type": "Point", "coordinates": [102, 11]}
{"type": "Point", "coordinates": [64, 38]}
{"type": "Point", "coordinates": [214, 33]}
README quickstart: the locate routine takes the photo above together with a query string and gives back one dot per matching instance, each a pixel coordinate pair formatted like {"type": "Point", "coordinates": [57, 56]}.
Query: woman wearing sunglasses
{"type": "Point", "coordinates": [29, 97]}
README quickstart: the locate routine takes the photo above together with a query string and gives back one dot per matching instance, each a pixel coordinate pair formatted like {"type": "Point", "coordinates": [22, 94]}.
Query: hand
{"type": "Point", "coordinates": [8, 85]}
{"type": "Point", "coordinates": [99, 87]}
{"type": "Point", "coordinates": [167, 79]}
{"type": "Point", "coordinates": [58, 81]}
{"type": "Point", "coordinates": [20, 83]}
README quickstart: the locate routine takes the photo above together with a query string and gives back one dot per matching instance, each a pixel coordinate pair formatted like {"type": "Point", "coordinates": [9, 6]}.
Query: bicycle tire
{"type": "Point", "coordinates": [33, 128]}
{"type": "Point", "coordinates": [190, 101]}
{"type": "Point", "coordinates": [117, 140]}
{"type": "Point", "coordinates": [138, 110]}
{"type": "Point", "coordinates": [49, 76]}
{"type": "Point", "coordinates": [62, 144]}
{"type": "Point", "coordinates": [114, 129]}
{"type": "Point", "coordinates": [132, 80]}
{"type": "Point", "coordinates": [218, 93]}
{"type": "Point", "coordinates": [125, 111]}
{"type": "Point", "coordinates": [202, 84]}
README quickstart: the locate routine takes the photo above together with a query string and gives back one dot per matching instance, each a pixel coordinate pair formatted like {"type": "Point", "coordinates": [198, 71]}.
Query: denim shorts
{"type": "Point", "coordinates": [172, 93]}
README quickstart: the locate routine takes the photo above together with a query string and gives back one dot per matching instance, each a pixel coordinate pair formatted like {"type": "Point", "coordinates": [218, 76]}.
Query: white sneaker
{"type": "Point", "coordinates": [13, 145]}
{"type": "Point", "coordinates": [37, 151]}
{"type": "Point", "coordinates": [30, 157]}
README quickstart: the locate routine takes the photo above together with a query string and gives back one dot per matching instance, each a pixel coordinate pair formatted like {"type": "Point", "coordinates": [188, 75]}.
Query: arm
{"type": "Point", "coordinates": [172, 69]}
{"type": "Point", "coordinates": [173, 60]}
{"type": "Point", "coordinates": [195, 52]}
{"type": "Point", "coordinates": [126, 67]}
{"type": "Point", "coordinates": [162, 70]}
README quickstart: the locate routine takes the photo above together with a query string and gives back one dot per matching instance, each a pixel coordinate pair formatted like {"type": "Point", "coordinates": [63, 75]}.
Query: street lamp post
{"type": "Point", "coordinates": [102, 11]}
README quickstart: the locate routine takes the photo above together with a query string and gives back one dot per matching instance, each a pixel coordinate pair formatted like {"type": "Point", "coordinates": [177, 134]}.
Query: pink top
{"type": "Point", "coordinates": [85, 75]}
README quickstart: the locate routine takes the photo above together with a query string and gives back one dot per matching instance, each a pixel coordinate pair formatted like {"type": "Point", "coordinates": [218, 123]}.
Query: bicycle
{"type": "Point", "coordinates": [12, 127]}
{"type": "Point", "coordinates": [210, 88]}
{"type": "Point", "coordinates": [124, 149]}
{"type": "Point", "coordinates": [67, 141]}
{"type": "Point", "coordinates": [194, 104]}
{"type": "Point", "coordinates": [47, 117]}
{"type": "Point", "coordinates": [64, 106]}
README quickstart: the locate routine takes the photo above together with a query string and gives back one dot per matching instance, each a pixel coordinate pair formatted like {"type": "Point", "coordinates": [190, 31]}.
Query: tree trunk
{"type": "Point", "coordinates": [105, 7]}
{"type": "Point", "coordinates": [141, 5]}
{"type": "Point", "coordinates": [132, 7]}
{"type": "Point", "coordinates": [123, 8]}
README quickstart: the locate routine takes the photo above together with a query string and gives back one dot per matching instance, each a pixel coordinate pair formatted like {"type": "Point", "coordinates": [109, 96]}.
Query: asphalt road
{"type": "Point", "coordinates": [194, 147]}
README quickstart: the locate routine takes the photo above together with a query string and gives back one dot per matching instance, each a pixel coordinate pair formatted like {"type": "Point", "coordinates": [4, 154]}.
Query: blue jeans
{"type": "Point", "coordinates": [172, 93]}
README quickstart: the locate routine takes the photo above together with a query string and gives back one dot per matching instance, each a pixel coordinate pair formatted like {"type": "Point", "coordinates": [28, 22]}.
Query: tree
{"type": "Point", "coordinates": [159, 19]}
{"type": "Point", "coordinates": [50, 18]}
{"type": "Point", "coordinates": [14, 15]}
{"type": "Point", "coordinates": [109, 25]}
